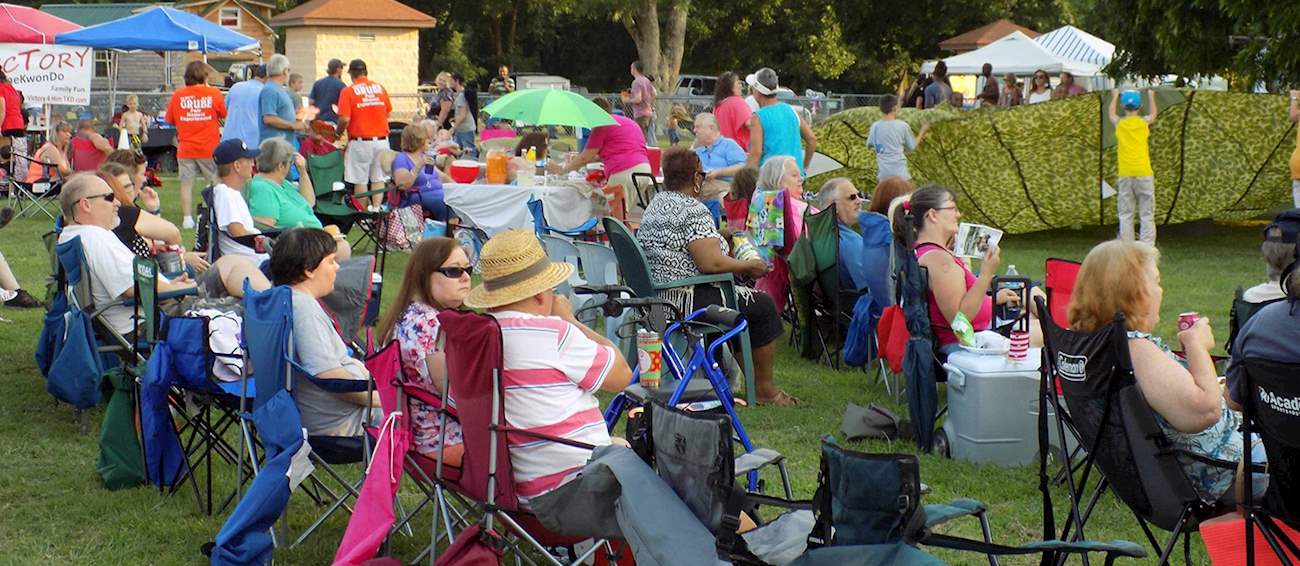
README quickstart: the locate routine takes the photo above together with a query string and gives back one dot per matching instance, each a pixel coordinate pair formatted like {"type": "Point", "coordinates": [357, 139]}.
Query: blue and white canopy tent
{"type": "Point", "coordinates": [159, 29]}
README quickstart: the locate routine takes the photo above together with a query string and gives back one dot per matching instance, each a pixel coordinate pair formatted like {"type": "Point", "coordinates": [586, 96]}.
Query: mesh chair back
{"type": "Point", "coordinates": [72, 261]}
{"type": "Point", "coordinates": [1059, 282]}
{"type": "Point", "coordinates": [474, 365]}
{"type": "Point", "coordinates": [1115, 421]}
{"type": "Point", "coordinates": [1271, 400]}
{"type": "Point", "coordinates": [631, 260]}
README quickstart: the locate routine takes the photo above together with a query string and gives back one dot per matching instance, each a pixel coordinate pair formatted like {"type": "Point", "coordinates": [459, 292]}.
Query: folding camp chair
{"type": "Point", "coordinates": [922, 359]}
{"type": "Point", "coordinates": [600, 269]}
{"type": "Point", "coordinates": [685, 446]}
{"type": "Point", "coordinates": [208, 235]}
{"type": "Point", "coordinates": [562, 250]}
{"type": "Point", "coordinates": [868, 511]}
{"type": "Point", "coordinates": [1240, 312]}
{"type": "Point", "coordinates": [474, 366]}
{"type": "Point", "coordinates": [31, 196]}
{"type": "Point", "coordinates": [645, 185]}
{"type": "Point", "coordinates": [538, 213]}
{"type": "Point", "coordinates": [635, 270]}
{"type": "Point", "coordinates": [1124, 442]}
{"type": "Point", "coordinates": [1058, 282]}
{"type": "Point", "coordinates": [1268, 393]}
{"type": "Point", "coordinates": [326, 451]}
{"type": "Point", "coordinates": [336, 204]}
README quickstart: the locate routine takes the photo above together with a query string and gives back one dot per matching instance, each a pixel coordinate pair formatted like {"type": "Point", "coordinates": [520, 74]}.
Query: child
{"type": "Point", "coordinates": [1136, 179]}
{"type": "Point", "coordinates": [443, 148]}
{"type": "Point", "coordinates": [676, 117]}
{"type": "Point", "coordinates": [134, 123]}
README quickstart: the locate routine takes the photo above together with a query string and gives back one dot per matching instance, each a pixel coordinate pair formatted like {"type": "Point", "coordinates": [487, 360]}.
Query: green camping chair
{"type": "Point", "coordinates": [815, 283]}
{"type": "Point", "coordinates": [635, 269]}
{"type": "Point", "coordinates": [334, 204]}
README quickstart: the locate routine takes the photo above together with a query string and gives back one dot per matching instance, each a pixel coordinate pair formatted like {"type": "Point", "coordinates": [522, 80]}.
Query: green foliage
{"type": "Point", "coordinates": [453, 58]}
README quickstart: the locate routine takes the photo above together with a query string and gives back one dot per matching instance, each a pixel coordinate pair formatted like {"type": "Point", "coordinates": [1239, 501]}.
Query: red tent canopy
{"type": "Point", "coordinates": [20, 24]}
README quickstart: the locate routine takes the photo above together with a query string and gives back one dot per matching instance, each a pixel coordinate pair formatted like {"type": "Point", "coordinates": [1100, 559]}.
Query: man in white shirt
{"type": "Point", "coordinates": [234, 168]}
{"type": "Point", "coordinates": [90, 211]}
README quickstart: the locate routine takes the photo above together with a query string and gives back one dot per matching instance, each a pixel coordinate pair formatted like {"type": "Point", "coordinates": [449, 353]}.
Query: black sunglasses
{"type": "Point", "coordinates": [453, 272]}
{"type": "Point", "coordinates": [108, 197]}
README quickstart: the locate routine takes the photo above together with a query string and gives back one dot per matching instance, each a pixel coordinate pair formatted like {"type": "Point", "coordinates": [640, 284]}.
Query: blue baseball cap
{"type": "Point", "coordinates": [1130, 99]}
{"type": "Point", "coordinates": [232, 150]}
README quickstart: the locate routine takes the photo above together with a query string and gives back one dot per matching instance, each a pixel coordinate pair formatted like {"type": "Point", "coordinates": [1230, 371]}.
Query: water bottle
{"type": "Point", "coordinates": [649, 358]}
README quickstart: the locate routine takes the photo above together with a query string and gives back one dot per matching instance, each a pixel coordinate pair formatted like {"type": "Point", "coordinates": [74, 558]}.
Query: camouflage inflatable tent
{"type": "Point", "coordinates": [1215, 154]}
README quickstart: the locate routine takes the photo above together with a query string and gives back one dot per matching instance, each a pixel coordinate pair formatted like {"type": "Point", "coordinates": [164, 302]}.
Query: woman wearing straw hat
{"type": "Point", "coordinates": [552, 364]}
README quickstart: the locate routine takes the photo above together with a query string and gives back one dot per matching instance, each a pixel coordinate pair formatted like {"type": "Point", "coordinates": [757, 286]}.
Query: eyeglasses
{"type": "Point", "coordinates": [108, 197]}
{"type": "Point", "coordinates": [855, 196]}
{"type": "Point", "coordinates": [953, 207]}
{"type": "Point", "coordinates": [700, 175]}
{"type": "Point", "coordinates": [453, 272]}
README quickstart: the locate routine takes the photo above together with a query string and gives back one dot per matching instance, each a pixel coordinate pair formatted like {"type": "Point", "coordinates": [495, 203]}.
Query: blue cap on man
{"type": "Point", "coordinates": [1130, 99]}
{"type": "Point", "coordinates": [232, 150]}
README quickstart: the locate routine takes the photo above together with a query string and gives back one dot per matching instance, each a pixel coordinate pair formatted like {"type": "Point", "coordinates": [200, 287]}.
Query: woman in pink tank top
{"type": "Point", "coordinates": [928, 224]}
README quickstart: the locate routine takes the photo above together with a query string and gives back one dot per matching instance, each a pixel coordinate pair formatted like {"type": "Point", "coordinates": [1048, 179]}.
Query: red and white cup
{"type": "Point", "coordinates": [1019, 345]}
{"type": "Point", "coordinates": [1187, 319]}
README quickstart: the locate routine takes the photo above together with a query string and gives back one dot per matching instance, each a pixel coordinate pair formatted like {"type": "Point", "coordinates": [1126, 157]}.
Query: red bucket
{"type": "Point", "coordinates": [463, 171]}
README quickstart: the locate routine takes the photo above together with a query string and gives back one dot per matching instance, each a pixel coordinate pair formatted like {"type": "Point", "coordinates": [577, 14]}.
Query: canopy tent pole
{"type": "Point", "coordinates": [112, 88]}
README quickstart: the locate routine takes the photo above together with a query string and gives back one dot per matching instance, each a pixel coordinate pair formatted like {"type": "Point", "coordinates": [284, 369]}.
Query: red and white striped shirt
{"type": "Point", "coordinates": [551, 373]}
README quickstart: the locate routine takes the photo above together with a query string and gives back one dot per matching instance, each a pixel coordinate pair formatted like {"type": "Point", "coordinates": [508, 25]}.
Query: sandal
{"type": "Point", "coordinates": [781, 399]}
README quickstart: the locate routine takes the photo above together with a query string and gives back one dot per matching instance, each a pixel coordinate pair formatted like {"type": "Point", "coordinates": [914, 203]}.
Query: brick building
{"type": "Point", "coordinates": [384, 33]}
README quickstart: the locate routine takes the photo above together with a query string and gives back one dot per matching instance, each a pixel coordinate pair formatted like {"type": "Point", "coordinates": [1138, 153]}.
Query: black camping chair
{"type": "Point", "coordinates": [1241, 311]}
{"type": "Point", "coordinates": [921, 358]}
{"type": "Point", "coordinates": [1123, 439]}
{"type": "Point", "coordinates": [645, 186]}
{"type": "Point", "coordinates": [1269, 409]}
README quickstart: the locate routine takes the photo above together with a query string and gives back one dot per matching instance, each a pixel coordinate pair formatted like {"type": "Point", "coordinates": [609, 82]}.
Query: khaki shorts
{"type": "Point", "coordinates": [189, 169]}
{"type": "Point", "coordinates": [624, 178]}
{"type": "Point", "coordinates": [362, 163]}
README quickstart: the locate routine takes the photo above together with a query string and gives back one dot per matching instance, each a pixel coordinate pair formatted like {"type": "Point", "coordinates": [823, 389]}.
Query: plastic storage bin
{"type": "Point", "coordinates": [987, 400]}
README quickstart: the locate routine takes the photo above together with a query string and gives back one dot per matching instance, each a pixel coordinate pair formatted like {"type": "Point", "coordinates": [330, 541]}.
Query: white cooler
{"type": "Point", "coordinates": [990, 400]}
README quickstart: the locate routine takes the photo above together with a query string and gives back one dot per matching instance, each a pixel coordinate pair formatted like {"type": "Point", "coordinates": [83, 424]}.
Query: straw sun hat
{"type": "Point", "coordinates": [514, 267]}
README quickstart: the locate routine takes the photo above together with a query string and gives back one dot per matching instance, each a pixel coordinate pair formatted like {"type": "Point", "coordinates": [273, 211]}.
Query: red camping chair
{"type": "Point", "coordinates": [1059, 283]}
{"type": "Point", "coordinates": [474, 366]}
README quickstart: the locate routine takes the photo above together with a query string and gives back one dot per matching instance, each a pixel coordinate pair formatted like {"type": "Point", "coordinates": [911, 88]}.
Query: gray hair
{"type": "Point", "coordinates": [769, 175]}
{"type": "Point", "coordinates": [829, 193]}
{"type": "Point", "coordinates": [75, 189]}
{"type": "Point", "coordinates": [274, 153]}
{"type": "Point", "coordinates": [277, 65]}
{"type": "Point", "coordinates": [709, 119]}
{"type": "Point", "coordinates": [429, 125]}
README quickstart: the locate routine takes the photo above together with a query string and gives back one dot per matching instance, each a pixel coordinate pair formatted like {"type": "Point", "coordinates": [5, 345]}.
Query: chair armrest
{"type": "Point", "coordinates": [758, 459]}
{"type": "Point", "coordinates": [697, 280]}
{"type": "Point", "coordinates": [175, 293]}
{"type": "Point", "coordinates": [375, 192]}
{"type": "Point", "coordinates": [940, 513]}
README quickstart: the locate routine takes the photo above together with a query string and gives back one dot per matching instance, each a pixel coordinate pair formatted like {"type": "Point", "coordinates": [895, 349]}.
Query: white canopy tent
{"type": "Point", "coordinates": [1077, 45]}
{"type": "Point", "coordinates": [1016, 53]}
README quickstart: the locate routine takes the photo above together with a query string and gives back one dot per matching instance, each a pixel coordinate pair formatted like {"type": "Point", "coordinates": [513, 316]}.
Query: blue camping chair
{"type": "Point", "coordinates": [268, 343]}
{"type": "Point", "coordinates": [538, 212]}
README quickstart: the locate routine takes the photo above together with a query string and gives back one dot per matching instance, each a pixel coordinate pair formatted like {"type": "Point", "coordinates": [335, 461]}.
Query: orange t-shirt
{"type": "Point", "coordinates": [195, 111]}
{"type": "Point", "coordinates": [366, 106]}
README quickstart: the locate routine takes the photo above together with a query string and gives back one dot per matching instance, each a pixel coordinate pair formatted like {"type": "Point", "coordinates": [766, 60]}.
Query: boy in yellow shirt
{"type": "Point", "coordinates": [1136, 181]}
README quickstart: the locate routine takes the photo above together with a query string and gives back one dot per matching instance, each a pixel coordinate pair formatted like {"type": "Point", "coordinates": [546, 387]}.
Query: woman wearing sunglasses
{"type": "Point", "coordinates": [680, 240]}
{"type": "Point", "coordinates": [436, 278]}
{"type": "Point", "coordinates": [1040, 90]}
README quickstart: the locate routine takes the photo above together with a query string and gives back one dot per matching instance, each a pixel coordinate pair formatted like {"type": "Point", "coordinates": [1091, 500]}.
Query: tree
{"type": "Point", "coordinates": [659, 36]}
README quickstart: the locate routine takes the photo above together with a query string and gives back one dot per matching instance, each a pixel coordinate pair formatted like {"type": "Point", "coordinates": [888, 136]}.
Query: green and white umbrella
{"type": "Point", "coordinates": [549, 107]}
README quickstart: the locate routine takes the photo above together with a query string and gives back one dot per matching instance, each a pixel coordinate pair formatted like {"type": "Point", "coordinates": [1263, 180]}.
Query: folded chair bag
{"type": "Point", "coordinates": [120, 462]}
{"type": "Point", "coordinates": [76, 368]}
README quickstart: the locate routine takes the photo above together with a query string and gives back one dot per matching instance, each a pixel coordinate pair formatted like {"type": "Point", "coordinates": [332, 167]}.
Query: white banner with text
{"type": "Point", "coordinates": [49, 74]}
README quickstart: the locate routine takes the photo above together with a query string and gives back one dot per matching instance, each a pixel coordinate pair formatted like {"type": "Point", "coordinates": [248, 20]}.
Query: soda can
{"type": "Point", "coordinates": [649, 357]}
{"type": "Point", "coordinates": [1187, 319]}
{"type": "Point", "coordinates": [743, 249]}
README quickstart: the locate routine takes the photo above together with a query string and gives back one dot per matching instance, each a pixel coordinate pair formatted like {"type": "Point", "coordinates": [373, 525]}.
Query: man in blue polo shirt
{"type": "Point", "coordinates": [721, 157]}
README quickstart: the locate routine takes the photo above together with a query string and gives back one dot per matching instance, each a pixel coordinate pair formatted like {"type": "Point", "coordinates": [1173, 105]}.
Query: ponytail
{"type": "Point", "coordinates": [909, 217]}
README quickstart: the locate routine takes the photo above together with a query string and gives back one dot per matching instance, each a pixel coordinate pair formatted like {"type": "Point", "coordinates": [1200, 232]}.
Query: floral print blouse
{"type": "Point", "coordinates": [417, 338]}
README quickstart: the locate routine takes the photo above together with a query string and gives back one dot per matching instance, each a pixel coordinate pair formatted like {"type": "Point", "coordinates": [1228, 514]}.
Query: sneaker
{"type": "Point", "coordinates": [23, 300]}
{"type": "Point", "coordinates": [187, 223]}
{"type": "Point", "coordinates": [6, 214]}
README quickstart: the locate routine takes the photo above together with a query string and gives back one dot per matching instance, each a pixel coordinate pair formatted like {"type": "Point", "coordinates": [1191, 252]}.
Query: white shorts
{"type": "Point", "coordinates": [361, 163]}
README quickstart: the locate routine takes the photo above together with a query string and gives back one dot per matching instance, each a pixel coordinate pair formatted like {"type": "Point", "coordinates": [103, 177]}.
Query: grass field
{"type": "Point", "coordinates": [53, 508]}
